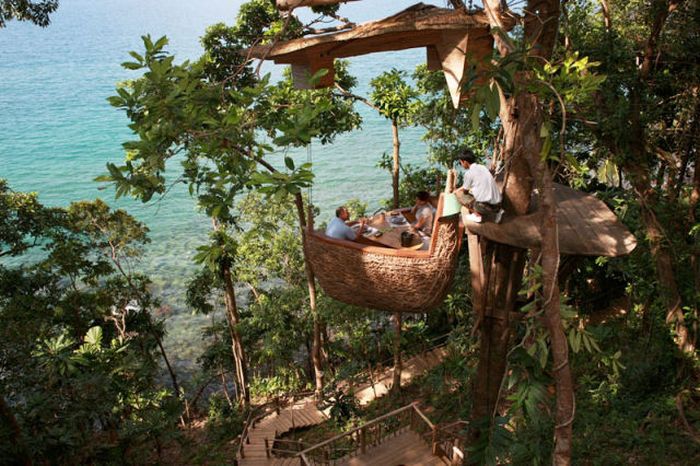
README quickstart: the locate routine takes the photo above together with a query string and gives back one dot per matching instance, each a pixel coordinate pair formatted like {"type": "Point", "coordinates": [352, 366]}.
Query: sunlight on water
{"type": "Point", "coordinates": [58, 130]}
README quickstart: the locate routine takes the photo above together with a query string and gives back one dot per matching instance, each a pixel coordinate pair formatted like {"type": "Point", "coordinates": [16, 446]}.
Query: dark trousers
{"type": "Point", "coordinates": [484, 208]}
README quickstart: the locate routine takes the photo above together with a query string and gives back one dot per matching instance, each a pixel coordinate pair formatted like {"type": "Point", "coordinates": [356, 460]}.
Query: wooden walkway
{"type": "Point", "coordinates": [304, 413]}
{"type": "Point", "coordinates": [406, 449]}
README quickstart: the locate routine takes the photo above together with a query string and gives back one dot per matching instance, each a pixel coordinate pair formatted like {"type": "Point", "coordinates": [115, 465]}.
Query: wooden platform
{"type": "Point", "coordinates": [587, 227]}
{"type": "Point", "coordinates": [406, 449]}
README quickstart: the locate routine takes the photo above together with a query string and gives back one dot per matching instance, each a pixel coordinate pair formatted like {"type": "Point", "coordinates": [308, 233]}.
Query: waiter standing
{"type": "Point", "coordinates": [479, 193]}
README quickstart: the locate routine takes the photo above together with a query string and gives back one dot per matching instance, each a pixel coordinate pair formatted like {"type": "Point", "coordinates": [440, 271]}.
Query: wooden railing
{"type": "Point", "coordinates": [368, 376]}
{"type": "Point", "coordinates": [359, 439]}
{"type": "Point", "coordinates": [261, 411]}
{"type": "Point", "coordinates": [448, 442]}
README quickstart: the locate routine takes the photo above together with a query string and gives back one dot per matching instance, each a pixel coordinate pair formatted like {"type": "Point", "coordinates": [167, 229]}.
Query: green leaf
{"type": "Point", "coordinates": [289, 162]}
{"type": "Point", "coordinates": [94, 336]}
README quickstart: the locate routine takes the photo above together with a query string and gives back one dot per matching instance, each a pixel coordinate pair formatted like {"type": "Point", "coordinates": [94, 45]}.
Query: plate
{"type": "Point", "coordinates": [397, 220]}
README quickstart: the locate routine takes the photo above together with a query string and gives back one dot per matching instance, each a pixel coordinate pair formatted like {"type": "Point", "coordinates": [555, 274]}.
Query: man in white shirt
{"type": "Point", "coordinates": [338, 229]}
{"type": "Point", "coordinates": [479, 194]}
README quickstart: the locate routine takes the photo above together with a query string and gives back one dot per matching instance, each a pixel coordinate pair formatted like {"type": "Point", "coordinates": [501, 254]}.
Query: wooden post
{"type": "Point", "coordinates": [267, 448]}
{"type": "Point", "coordinates": [413, 418]}
{"type": "Point", "coordinates": [434, 441]}
{"type": "Point", "coordinates": [396, 385]}
{"type": "Point", "coordinates": [363, 440]}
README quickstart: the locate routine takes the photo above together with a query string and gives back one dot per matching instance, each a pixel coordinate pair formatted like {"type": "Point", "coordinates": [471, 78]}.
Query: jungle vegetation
{"type": "Point", "coordinates": [599, 367]}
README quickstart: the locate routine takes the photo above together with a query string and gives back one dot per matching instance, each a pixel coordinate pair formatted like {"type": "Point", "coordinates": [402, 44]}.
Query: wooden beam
{"type": "Point", "coordinates": [302, 72]}
{"type": "Point", "coordinates": [286, 5]}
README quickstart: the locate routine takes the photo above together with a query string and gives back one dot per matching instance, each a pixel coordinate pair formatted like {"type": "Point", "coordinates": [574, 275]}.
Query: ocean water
{"type": "Point", "coordinates": [58, 131]}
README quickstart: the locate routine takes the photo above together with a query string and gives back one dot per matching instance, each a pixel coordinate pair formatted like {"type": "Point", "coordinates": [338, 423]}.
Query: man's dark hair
{"type": "Point", "coordinates": [423, 196]}
{"type": "Point", "coordinates": [467, 155]}
{"type": "Point", "coordinates": [339, 211]}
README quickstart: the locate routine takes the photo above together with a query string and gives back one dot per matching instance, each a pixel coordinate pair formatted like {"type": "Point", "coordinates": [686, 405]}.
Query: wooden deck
{"type": "Point", "coordinates": [587, 227]}
{"type": "Point", "coordinates": [304, 412]}
{"type": "Point", "coordinates": [406, 449]}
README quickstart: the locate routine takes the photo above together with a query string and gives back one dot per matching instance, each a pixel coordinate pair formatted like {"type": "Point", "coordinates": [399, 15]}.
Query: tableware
{"type": "Point", "coordinates": [406, 239]}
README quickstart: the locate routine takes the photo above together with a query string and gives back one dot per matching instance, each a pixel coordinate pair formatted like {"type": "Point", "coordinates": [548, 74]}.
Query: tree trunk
{"type": "Point", "coordinates": [316, 349]}
{"type": "Point", "coordinates": [173, 376]}
{"type": "Point", "coordinates": [505, 264]}
{"type": "Point", "coordinates": [396, 385]}
{"type": "Point", "coordinates": [395, 167]}
{"type": "Point", "coordinates": [561, 369]}
{"type": "Point", "coordinates": [236, 343]}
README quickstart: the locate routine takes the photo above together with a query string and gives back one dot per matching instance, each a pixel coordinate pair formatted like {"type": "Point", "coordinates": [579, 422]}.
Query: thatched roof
{"type": "Point", "coordinates": [454, 40]}
{"type": "Point", "coordinates": [587, 227]}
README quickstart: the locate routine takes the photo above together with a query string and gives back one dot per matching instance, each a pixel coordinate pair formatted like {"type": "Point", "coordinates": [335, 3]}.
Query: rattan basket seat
{"type": "Point", "coordinates": [387, 279]}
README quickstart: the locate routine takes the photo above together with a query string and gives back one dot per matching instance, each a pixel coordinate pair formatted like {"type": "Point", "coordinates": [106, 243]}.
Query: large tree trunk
{"type": "Point", "coordinates": [504, 264]}
{"type": "Point", "coordinates": [395, 167]}
{"type": "Point", "coordinates": [317, 347]}
{"type": "Point", "coordinates": [236, 342]}
{"type": "Point", "coordinates": [521, 120]}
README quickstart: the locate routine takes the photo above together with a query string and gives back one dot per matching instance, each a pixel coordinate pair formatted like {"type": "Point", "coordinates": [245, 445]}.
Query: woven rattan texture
{"type": "Point", "coordinates": [387, 282]}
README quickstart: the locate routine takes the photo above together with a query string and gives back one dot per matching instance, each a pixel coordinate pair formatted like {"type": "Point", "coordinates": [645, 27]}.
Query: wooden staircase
{"type": "Point", "coordinates": [406, 448]}
{"type": "Point", "coordinates": [259, 436]}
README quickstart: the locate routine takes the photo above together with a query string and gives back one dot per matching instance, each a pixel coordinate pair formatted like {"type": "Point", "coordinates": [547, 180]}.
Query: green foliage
{"type": "Point", "coordinates": [447, 129]}
{"type": "Point", "coordinates": [260, 21]}
{"type": "Point", "coordinates": [79, 344]}
{"type": "Point", "coordinates": [331, 113]}
{"type": "Point", "coordinates": [414, 179]}
{"type": "Point", "coordinates": [356, 208]}
{"type": "Point", "coordinates": [393, 96]}
{"type": "Point", "coordinates": [37, 12]}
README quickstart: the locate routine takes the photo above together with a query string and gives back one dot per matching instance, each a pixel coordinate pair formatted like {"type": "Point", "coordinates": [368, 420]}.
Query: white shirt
{"type": "Point", "coordinates": [480, 183]}
{"type": "Point", "coordinates": [428, 212]}
{"type": "Point", "coordinates": [339, 230]}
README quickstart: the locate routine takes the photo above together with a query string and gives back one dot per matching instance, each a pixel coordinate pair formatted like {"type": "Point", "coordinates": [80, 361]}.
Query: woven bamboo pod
{"type": "Point", "coordinates": [387, 279]}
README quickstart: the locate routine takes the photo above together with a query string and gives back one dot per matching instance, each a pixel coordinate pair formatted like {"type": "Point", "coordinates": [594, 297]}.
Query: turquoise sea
{"type": "Point", "coordinates": [57, 130]}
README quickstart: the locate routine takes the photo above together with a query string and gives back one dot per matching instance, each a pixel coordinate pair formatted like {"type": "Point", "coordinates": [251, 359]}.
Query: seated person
{"type": "Point", "coordinates": [424, 212]}
{"type": "Point", "coordinates": [479, 194]}
{"type": "Point", "coordinates": [339, 229]}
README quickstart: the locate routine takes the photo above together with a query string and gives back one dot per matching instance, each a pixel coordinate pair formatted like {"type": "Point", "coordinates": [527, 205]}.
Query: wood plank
{"type": "Point", "coordinates": [586, 227]}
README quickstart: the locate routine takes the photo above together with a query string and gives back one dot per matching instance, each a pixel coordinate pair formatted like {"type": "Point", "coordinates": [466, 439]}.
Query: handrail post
{"type": "Point", "coordinates": [434, 441]}
{"type": "Point", "coordinates": [363, 440]}
{"type": "Point", "coordinates": [267, 447]}
{"type": "Point", "coordinates": [413, 418]}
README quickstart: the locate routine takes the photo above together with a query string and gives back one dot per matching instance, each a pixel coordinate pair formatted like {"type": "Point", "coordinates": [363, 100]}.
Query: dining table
{"type": "Point", "coordinates": [385, 230]}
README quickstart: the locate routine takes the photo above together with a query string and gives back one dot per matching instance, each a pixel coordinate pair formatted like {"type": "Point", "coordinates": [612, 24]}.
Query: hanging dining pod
{"type": "Point", "coordinates": [405, 280]}
{"type": "Point", "coordinates": [395, 280]}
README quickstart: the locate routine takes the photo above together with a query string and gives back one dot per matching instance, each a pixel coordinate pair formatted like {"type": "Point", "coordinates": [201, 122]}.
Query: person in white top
{"type": "Point", "coordinates": [479, 194]}
{"type": "Point", "coordinates": [424, 212]}
{"type": "Point", "coordinates": [338, 229]}
{"type": "Point", "coordinates": [425, 215]}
